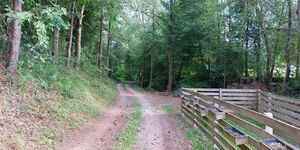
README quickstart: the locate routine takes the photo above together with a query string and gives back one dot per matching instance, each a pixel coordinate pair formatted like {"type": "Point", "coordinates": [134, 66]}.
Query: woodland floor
{"type": "Point", "coordinates": [159, 130]}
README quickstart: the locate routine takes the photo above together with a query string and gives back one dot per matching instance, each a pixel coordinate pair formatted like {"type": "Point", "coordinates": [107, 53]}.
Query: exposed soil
{"type": "Point", "coordinates": [100, 133]}
{"type": "Point", "coordinates": [159, 130]}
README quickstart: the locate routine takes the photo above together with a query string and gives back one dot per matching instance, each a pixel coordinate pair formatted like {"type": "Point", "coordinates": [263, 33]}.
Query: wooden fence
{"type": "Point", "coordinates": [232, 126]}
{"type": "Point", "coordinates": [242, 97]}
{"type": "Point", "coordinates": [283, 108]}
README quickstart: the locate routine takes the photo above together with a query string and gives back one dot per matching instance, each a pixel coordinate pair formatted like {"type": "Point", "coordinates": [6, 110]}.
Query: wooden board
{"type": "Point", "coordinates": [291, 131]}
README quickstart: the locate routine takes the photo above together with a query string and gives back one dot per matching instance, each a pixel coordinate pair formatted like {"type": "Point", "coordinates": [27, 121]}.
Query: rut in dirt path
{"type": "Point", "coordinates": [159, 130]}
{"type": "Point", "coordinates": [100, 133]}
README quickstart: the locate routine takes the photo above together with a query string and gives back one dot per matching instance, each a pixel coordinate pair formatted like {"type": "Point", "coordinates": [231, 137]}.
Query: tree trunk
{"type": "Point", "coordinates": [298, 48]}
{"type": "Point", "coordinates": [56, 36]}
{"type": "Point", "coordinates": [69, 47]}
{"type": "Point", "coordinates": [151, 71]}
{"type": "Point", "coordinates": [79, 37]}
{"type": "Point", "coordinates": [108, 46]}
{"type": "Point", "coordinates": [266, 41]}
{"type": "Point", "coordinates": [99, 62]}
{"type": "Point", "coordinates": [170, 49]}
{"type": "Point", "coordinates": [275, 51]}
{"type": "Point", "coordinates": [151, 50]}
{"type": "Point", "coordinates": [246, 39]}
{"type": "Point", "coordinates": [288, 44]}
{"type": "Point", "coordinates": [257, 45]}
{"type": "Point", "coordinates": [14, 34]}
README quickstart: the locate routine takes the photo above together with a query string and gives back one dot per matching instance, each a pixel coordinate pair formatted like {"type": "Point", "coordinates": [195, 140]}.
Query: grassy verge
{"type": "Point", "coordinates": [198, 139]}
{"type": "Point", "coordinates": [49, 101]}
{"type": "Point", "coordinates": [126, 139]}
{"type": "Point", "coordinates": [170, 110]}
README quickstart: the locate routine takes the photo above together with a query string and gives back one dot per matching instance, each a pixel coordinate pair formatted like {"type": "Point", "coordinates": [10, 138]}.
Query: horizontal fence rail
{"type": "Point", "coordinates": [283, 108]}
{"type": "Point", "coordinates": [231, 125]}
{"type": "Point", "coordinates": [242, 97]}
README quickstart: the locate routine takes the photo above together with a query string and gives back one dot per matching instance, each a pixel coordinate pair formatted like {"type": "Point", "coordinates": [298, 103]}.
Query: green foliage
{"type": "Point", "coordinates": [126, 140]}
{"type": "Point", "coordinates": [21, 16]}
{"type": "Point", "coordinates": [198, 139]}
{"type": "Point", "coordinates": [169, 109]}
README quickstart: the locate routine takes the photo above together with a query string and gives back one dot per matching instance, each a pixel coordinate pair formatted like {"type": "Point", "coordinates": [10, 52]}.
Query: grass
{"type": "Point", "coordinates": [54, 99]}
{"type": "Point", "coordinates": [252, 121]}
{"type": "Point", "coordinates": [198, 140]}
{"type": "Point", "coordinates": [169, 109]}
{"type": "Point", "coordinates": [125, 140]}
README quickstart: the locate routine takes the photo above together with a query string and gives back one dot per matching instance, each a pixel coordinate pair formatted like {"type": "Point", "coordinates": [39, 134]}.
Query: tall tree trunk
{"type": "Point", "coordinates": [275, 51]}
{"type": "Point", "coordinates": [99, 62]}
{"type": "Point", "coordinates": [288, 44]}
{"type": "Point", "coordinates": [70, 41]}
{"type": "Point", "coordinates": [108, 46]}
{"type": "Point", "coordinates": [151, 71]}
{"type": "Point", "coordinates": [56, 35]}
{"type": "Point", "coordinates": [246, 38]}
{"type": "Point", "coordinates": [257, 44]}
{"type": "Point", "coordinates": [14, 33]}
{"type": "Point", "coordinates": [151, 49]}
{"type": "Point", "coordinates": [170, 48]}
{"type": "Point", "coordinates": [79, 37]}
{"type": "Point", "coordinates": [266, 41]}
{"type": "Point", "coordinates": [298, 47]}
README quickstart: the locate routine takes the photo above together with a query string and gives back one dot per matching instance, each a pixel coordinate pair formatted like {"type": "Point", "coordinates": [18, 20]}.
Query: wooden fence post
{"type": "Point", "coordinates": [258, 105]}
{"type": "Point", "coordinates": [267, 128]}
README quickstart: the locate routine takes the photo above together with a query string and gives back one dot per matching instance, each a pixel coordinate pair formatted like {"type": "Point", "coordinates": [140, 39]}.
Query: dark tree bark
{"type": "Point", "coordinates": [70, 41]}
{"type": "Point", "coordinates": [151, 71]}
{"type": "Point", "coordinates": [257, 45]}
{"type": "Point", "coordinates": [298, 47]}
{"type": "Point", "coordinates": [267, 46]}
{"type": "Point", "coordinates": [99, 62]}
{"type": "Point", "coordinates": [170, 48]}
{"type": "Point", "coordinates": [288, 44]}
{"type": "Point", "coordinates": [151, 50]}
{"type": "Point", "coordinates": [246, 38]}
{"type": "Point", "coordinates": [56, 37]}
{"type": "Point", "coordinates": [14, 33]}
{"type": "Point", "coordinates": [108, 46]}
{"type": "Point", "coordinates": [275, 51]}
{"type": "Point", "coordinates": [79, 30]}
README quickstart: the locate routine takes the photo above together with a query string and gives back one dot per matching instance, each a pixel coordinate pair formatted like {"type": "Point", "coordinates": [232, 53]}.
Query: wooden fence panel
{"type": "Point", "coordinates": [242, 97]}
{"type": "Point", "coordinates": [200, 109]}
{"type": "Point", "coordinates": [283, 108]}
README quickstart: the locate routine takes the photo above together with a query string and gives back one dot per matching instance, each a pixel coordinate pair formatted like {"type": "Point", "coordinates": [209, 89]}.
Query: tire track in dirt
{"type": "Point", "coordinates": [100, 133]}
{"type": "Point", "coordinates": [159, 130]}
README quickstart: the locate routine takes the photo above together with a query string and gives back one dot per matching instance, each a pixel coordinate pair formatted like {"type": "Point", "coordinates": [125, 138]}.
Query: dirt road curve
{"type": "Point", "coordinates": [159, 131]}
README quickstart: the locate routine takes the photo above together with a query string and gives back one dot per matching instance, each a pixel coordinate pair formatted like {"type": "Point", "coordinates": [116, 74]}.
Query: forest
{"type": "Point", "coordinates": [113, 70]}
{"type": "Point", "coordinates": [162, 45]}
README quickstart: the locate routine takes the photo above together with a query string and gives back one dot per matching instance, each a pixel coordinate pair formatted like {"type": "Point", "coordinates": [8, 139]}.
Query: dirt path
{"type": "Point", "coordinates": [159, 130]}
{"type": "Point", "coordinates": [100, 133]}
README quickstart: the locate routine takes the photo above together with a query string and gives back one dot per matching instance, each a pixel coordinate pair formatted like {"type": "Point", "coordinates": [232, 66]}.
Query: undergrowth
{"type": "Point", "coordinates": [126, 139]}
{"type": "Point", "coordinates": [198, 139]}
{"type": "Point", "coordinates": [169, 109]}
{"type": "Point", "coordinates": [49, 100]}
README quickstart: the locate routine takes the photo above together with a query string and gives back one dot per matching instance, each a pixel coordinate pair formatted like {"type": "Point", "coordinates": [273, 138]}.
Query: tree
{"type": "Point", "coordinates": [298, 47]}
{"type": "Point", "coordinates": [14, 33]}
{"type": "Point", "coordinates": [170, 45]}
{"type": "Point", "coordinates": [79, 35]}
{"type": "Point", "coordinates": [99, 61]}
{"type": "Point", "coordinates": [108, 46]}
{"type": "Point", "coordinates": [288, 44]}
{"type": "Point", "coordinates": [70, 35]}
{"type": "Point", "coordinates": [56, 37]}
